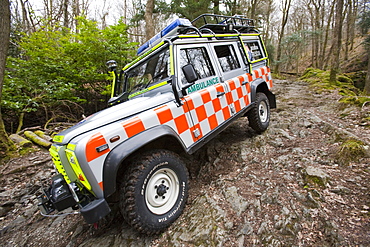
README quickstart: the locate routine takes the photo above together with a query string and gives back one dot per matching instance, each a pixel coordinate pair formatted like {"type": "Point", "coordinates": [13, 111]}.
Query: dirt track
{"type": "Point", "coordinates": [285, 187]}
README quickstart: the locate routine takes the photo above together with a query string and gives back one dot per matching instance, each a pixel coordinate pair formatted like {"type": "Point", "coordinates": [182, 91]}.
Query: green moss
{"type": "Point", "coordinates": [345, 79]}
{"type": "Point", "coordinates": [350, 151]}
{"type": "Point", "coordinates": [355, 100]}
{"type": "Point", "coordinates": [278, 76]}
{"type": "Point", "coordinates": [26, 150]}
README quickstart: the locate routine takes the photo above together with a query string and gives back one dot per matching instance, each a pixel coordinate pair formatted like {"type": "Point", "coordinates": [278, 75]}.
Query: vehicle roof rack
{"type": "Point", "coordinates": [210, 23]}
{"type": "Point", "coordinates": [224, 24]}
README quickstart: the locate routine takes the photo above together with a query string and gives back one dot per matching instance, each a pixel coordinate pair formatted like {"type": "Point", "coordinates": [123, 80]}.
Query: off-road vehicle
{"type": "Point", "coordinates": [188, 83]}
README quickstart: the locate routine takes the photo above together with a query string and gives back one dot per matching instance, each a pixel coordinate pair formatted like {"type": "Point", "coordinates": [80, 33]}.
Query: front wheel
{"type": "Point", "coordinates": [154, 191]}
{"type": "Point", "coordinates": [259, 115]}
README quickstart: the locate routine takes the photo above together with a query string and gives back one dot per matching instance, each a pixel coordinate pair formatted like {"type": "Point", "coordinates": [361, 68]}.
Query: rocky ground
{"type": "Point", "coordinates": [294, 185]}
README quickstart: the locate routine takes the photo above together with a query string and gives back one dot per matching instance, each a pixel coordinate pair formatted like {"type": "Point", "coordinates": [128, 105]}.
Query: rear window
{"type": "Point", "coordinates": [227, 57]}
{"type": "Point", "coordinates": [254, 50]}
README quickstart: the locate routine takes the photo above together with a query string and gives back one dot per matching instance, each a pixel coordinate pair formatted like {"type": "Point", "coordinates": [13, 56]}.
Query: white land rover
{"type": "Point", "coordinates": [188, 83]}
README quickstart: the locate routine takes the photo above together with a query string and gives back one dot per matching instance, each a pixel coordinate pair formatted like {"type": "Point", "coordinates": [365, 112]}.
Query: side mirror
{"type": "Point", "coordinates": [190, 73]}
{"type": "Point", "coordinates": [119, 99]}
{"type": "Point", "coordinates": [112, 65]}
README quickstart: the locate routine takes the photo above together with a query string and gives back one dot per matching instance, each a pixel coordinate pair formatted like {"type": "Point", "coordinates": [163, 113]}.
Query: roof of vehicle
{"type": "Point", "coordinates": [203, 25]}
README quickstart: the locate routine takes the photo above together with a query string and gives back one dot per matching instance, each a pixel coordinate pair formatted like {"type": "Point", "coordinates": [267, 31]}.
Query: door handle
{"type": "Point", "coordinates": [244, 83]}
{"type": "Point", "coordinates": [220, 94]}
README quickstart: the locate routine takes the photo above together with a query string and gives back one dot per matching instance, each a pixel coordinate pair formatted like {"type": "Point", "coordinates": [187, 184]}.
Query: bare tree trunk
{"type": "Point", "coordinates": [367, 80]}
{"type": "Point", "coordinates": [65, 13]}
{"type": "Point", "coordinates": [268, 16]}
{"type": "Point", "coordinates": [253, 9]}
{"type": "Point", "coordinates": [25, 22]}
{"type": "Point", "coordinates": [324, 61]}
{"type": "Point", "coordinates": [348, 28]}
{"type": "Point", "coordinates": [149, 28]}
{"type": "Point", "coordinates": [337, 42]}
{"type": "Point", "coordinates": [216, 6]}
{"type": "Point", "coordinates": [5, 143]}
{"type": "Point", "coordinates": [76, 13]}
{"type": "Point", "coordinates": [286, 7]}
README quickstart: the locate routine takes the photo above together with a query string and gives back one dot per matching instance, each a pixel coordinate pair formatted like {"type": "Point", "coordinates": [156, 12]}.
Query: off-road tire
{"type": "Point", "coordinates": [259, 115]}
{"type": "Point", "coordinates": [154, 191]}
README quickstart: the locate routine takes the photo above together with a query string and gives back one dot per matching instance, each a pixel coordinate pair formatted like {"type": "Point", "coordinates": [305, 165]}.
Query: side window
{"type": "Point", "coordinates": [254, 50]}
{"type": "Point", "coordinates": [199, 58]}
{"type": "Point", "coordinates": [227, 57]}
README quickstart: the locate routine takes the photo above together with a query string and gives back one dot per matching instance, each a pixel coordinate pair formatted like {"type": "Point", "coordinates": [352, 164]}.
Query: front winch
{"type": "Point", "coordinates": [58, 196]}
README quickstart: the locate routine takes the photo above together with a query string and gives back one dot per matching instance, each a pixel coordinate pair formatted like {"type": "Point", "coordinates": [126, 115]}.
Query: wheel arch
{"type": "Point", "coordinates": [259, 85]}
{"type": "Point", "coordinates": [160, 137]}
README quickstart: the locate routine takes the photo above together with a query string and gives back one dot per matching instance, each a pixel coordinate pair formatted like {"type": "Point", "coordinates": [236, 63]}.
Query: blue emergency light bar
{"type": "Point", "coordinates": [167, 31]}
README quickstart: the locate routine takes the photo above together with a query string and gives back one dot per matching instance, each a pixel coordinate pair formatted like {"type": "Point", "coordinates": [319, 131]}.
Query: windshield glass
{"type": "Point", "coordinates": [152, 71]}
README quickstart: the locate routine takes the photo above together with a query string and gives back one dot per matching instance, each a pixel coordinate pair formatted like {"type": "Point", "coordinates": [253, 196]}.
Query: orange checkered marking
{"type": "Point", "coordinates": [181, 123]}
{"type": "Point", "coordinates": [133, 126]}
{"type": "Point", "coordinates": [226, 113]}
{"type": "Point", "coordinates": [216, 104]}
{"type": "Point", "coordinates": [201, 113]}
{"type": "Point", "coordinates": [213, 121]}
{"type": "Point", "coordinates": [237, 106]}
{"type": "Point", "coordinates": [95, 141]}
{"type": "Point", "coordinates": [164, 114]}
{"type": "Point", "coordinates": [206, 97]}
{"type": "Point", "coordinates": [189, 106]}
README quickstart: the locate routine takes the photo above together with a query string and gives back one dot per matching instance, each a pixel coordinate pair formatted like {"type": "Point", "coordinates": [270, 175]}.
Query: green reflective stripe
{"type": "Point", "coordinates": [250, 34]}
{"type": "Point", "coordinates": [58, 138]}
{"type": "Point", "coordinates": [144, 55]}
{"type": "Point", "coordinates": [114, 82]}
{"type": "Point", "coordinates": [147, 89]}
{"type": "Point", "coordinates": [264, 48]}
{"type": "Point", "coordinates": [172, 62]}
{"type": "Point", "coordinates": [259, 60]}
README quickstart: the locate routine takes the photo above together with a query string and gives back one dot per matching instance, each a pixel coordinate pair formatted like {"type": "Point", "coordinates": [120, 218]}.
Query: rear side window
{"type": "Point", "coordinates": [199, 58]}
{"type": "Point", "coordinates": [227, 57]}
{"type": "Point", "coordinates": [254, 50]}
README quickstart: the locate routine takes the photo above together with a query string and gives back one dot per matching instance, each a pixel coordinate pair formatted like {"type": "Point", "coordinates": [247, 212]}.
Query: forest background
{"type": "Point", "coordinates": [53, 52]}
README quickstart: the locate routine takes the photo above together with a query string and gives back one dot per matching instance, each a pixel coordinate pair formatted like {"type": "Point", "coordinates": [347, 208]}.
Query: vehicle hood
{"type": "Point", "coordinates": [111, 115]}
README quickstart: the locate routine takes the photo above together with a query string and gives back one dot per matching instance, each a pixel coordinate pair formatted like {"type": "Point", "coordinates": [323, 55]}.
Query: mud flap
{"type": "Point", "coordinates": [95, 210]}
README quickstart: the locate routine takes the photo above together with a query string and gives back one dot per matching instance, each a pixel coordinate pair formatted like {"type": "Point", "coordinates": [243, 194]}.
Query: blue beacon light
{"type": "Point", "coordinates": [170, 30]}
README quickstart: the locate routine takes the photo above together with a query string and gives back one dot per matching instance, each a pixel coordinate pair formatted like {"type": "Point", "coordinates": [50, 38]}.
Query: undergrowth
{"type": "Point", "coordinates": [319, 81]}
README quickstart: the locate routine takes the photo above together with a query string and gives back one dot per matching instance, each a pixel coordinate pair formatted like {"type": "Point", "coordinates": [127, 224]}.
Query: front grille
{"type": "Point", "coordinates": [57, 162]}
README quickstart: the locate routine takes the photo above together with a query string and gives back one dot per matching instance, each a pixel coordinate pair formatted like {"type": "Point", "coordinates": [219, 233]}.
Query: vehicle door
{"type": "Point", "coordinates": [233, 68]}
{"type": "Point", "coordinates": [205, 99]}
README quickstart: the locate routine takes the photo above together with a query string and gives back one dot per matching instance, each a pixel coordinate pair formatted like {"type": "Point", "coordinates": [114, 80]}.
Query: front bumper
{"type": "Point", "coordinates": [60, 196]}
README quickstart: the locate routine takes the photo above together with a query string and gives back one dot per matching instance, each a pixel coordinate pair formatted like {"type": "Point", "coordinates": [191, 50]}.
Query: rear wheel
{"type": "Point", "coordinates": [259, 116]}
{"type": "Point", "coordinates": [154, 191]}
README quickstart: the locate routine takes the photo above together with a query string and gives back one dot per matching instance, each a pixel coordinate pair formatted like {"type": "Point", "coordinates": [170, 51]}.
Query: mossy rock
{"type": "Point", "coordinates": [345, 79]}
{"type": "Point", "coordinates": [312, 72]}
{"type": "Point", "coordinates": [358, 79]}
{"type": "Point", "coordinates": [350, 151]}
{"type": "Point", "coordinates": [315, 177]}
{"type": "Point", "coordinates": [355, 100]}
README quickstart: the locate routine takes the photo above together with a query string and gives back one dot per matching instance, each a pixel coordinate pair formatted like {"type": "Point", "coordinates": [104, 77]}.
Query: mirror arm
{"type": "Point", "coordinates": [175, 91]}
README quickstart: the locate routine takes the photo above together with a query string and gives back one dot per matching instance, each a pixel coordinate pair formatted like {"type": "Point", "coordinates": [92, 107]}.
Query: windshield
{"type": "Point", "coordinates": [152, 71]}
